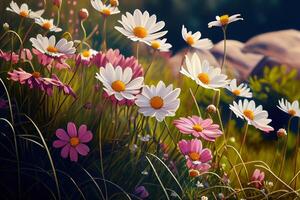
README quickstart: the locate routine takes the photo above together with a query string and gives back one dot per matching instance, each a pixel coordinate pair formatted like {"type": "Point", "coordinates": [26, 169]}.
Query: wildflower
{"type": "Point", "coordinates": [204, 198]}
{"type": "Point", "coordinates": [119, 82]}
{"type": "Point", "coordinates": [73, 142]}
{"type": "Point", "coordinates": [9, 56]}
{"type": "Point", "coordinates": [5, 26]}
{"type": "Point", "coordinates": [242, 90]}
{"type": "Point", "coordinates": [141, 27]}
{"type": "Point", "coordinates": [83, 14]}
{"type": "Point", "coordinates": [105, 10]}
{"type": "Point", "coordinates": [51, 48]}
{"type": "Point", "coordinates": [198, 127]}
{"type": "Point", "coordinates": [257, 178]}
{"type": "Point", "coordinates": [141, 191]}
{"type": "Point", "coordinates": [199, 184]}
{"type": "Point", "coordinates": [292, 109]}
{"type": "Point", "coordinates": [269, 184]}
{"type": "Point", "coordinates": [145, 138]}
{"type": "Point", "coordinates": [24, 11]}
{"type": "Point", "coordinates": [224, 20]}
{"type": "Point", "coordinates": [85, 57]}
{"type": "Point", "coordinates": [203, 74]}
{"type": "Point", "coordinates": [160, 45]}
{"type": "Point", "coordinates": [194, 40]}
{"type": "Point", "coordinates": [159, 101]}
{"type": "Point", "coordinates": [281, 133]}
{"type": "Point", "coordinates": [211, 108]}
{"type": "Point", "coordinates": [232, 139]}
{"type": "Point", "coordinates": [194, 173]}
{"type": "Point", "coordinates": [57, 3]}
{"type": "Point", "coordinates": [197, 158]}
{"type": "Point", "coordinates": [255, 116]}
{"type": "Point", "coordinates": [114, 3]}
{"type": "Point", "coordinates": [47, 24]}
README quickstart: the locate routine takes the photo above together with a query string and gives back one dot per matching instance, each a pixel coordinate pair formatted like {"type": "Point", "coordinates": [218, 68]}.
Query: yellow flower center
{"type": "Point", "coordinates": [106, 12]}
{"type": "Point", "coordinates": [36, 74]}
{"type": "Point", "coordinates": [292, 112]}
{"type": "Point", "coordinates": [118, 86]}
{"type": "Point", "coordinates": [114, 3]}
{"type": "Point", "coordinates": [224, 19]}
{"type": "Point", "coordinates": [52, 49]}
{"type": "Point", "coordinates": [156, 102]}
{"type": "Point", "coordinates": [194, 173]}
{"type": "Point", "coordinates": [204, 78]}
{"type": "Point", "coordinates": [74, 141]}
{"type": "Point", "coordinates": [249, 114]}
{"type": "Point", "coordinates": [155, 45]}
{"type": "Point", "coordinates": [140, 32]}
{"type": "Point", "coordinates": [23, 13]}
{"type": "Point", "coordinates": [86, 53]}
{"type": "Point", "coordinates": [47, 25]}
{"type": "Point", "coordinates": [198, 127]}
{"type": "Point", "coordinates": [236, 92]}
{"type": "Point", "coordinates": [190, 40]}
{"type": "Point", "coordinates": [194, 156]}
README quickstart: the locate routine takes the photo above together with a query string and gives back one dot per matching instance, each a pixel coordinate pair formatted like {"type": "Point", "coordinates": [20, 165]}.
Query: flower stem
{"type": "Point", "coordinates": [296, 157]}
{"type": "Point", "coordinates": [104, 45]}
{"type": "Point", "coordinates": [195, 101]}
{"type": "Point", "coordinates": [244, 138]}
{"type": "Point", "coordinates": [137, 50]}
{"type": "Point", "coordinates": [152, 60]}
{"type": "Point", "coordinates": [84, 34]}
{"type": "Point", "coordinates": [224, 52]}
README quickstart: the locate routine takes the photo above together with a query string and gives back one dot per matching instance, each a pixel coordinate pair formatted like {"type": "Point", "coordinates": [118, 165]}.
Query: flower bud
{"type": "Point", "coordinates": [57, 3]}
{"type": "Point", "coordinates": [211, 108]}
{"type": "Point", "coordinates": [114, 3]}
{"type": "Point", "coordinates": [6, 26]}
{"type": "Point", "coordinates": [281, 132]}
{"type": "Point", "coordinates": [83, 14]}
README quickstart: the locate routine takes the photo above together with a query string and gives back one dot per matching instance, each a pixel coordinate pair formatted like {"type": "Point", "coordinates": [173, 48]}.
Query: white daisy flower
{"type": "Point", "coordinates": [141, 27]}
{"type": "Point", "coordinates": [105, 10]}
{"type": "Point", "coordinates": [50, 47]}
{"type": "Point", "coordinates": [47, 24]}
{"type": "Point", "coordinates": [24, 11]}
{"type": "Point", "coordinates": [194, 40]}
{"type": "Point", "coordinates": [255, 116]}
{"type": "Point", "coordinates": [87, 55]}
{"type": "Point", "coordinates": [290, 108]}
{"type": "Point", "coordinates": [242, 90]}
{"type": "Point", "coordinates": [159, 101]}
{"type": "Point", "coordinates": [160, 45]}
{"type": "Point", "coordinates": [120, 83]}
{"type": "Point", "coordinates": [205, 75]}
{"type": "Point", "coordinates": [224, 20]}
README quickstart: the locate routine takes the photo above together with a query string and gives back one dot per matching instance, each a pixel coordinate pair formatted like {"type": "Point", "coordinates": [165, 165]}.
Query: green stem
{"type": "Point", "coordinates": [104, 45]}
{"type": "Point", "coordinates": [152, 60]}
{"type": "Point", "coordinates": [224, 52]}
{"type": "Point", "coordinates": [296, 157]}
{"type": "Point", "coordinates": [137, 50]}
{"type": "Point", "coordinates": [58, 16]}
{"type": "Point", "coordinates": [244, 138]}
{"type": "Point", "coordinates": [195, 101]}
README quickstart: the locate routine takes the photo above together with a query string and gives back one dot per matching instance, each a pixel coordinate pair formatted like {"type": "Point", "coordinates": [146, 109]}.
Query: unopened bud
{"type": "Point", "coordinates": [281, 132]}
{"type": "Point", "coordinates": [6, 26]}
{"type": "Point", "coordinates": [114, 3]}
{"type": "Point", "coordinates": [83, 14]}
{"type": "Point", "coordinates": [211, 108]}
{"type": "Point", "coordinates": [57, 3]}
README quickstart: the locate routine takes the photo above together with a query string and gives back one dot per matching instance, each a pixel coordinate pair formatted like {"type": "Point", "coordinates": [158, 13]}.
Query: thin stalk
{"type": "Point", "coordinates": [296, 157]}
{"type": "Point", "coordinates": [104, 45]}
{"type": "Point", "coordinates": [153, 56]}
{"type": "Point", "coordinates": [195, 101]}
{"type": "Point", "coordinates": [58, 16]}
{"type": "Point", "coordinates": [224, 51]}
{"type": "Point", "coordinates": [137, 50]}
{"type": "Point", "coordinates": [244, 138]}
{"type": "Point", "coordinates": [169, 132]}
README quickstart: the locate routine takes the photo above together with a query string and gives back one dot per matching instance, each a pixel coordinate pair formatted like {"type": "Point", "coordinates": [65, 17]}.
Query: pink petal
{"type": "Point", "coordinates": [65, 151]}
{"type": "Point", "coordinates": [82, 130]}
{"type": "Point", "coordinates": [72, 131]}
{"type": "Point", "coordinates": [73, 154]}
{"type": "Point", "coordinates": [61, 134]}
{"type": "Point", "coordinates": [183, 146]}
{"type": "Point", "coordinates": [196, 145]}
{"type": "Point", "coordinates": [59, 143]}
{"type": "Point", "coordinates": [84, 138]}
{"type": "Point", "coordinates": [205, 156]}
{"type": "Point", "coordinates": [82, 149]}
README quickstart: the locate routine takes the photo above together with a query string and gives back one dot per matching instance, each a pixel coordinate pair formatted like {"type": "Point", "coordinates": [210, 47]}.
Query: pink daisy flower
{"type": "Point", "coordinates": [116, 59]}
{"type": "Point", "coordinates": [8, 56]}
{"type": "Point", "coordinates": [73, 142]}
{"type": "Point", "coordinates": [197, 157]}
{"type": "Point", "coordinates": [198, 127]}
{"type": "Point", "coordinates": [258, 178]}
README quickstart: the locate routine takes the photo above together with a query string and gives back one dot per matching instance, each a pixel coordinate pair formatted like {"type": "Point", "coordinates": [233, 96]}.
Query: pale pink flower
{"type": "Point", "coordinates": [198, 127]}
{"type": "Point", "coordinates": [197, 158]}
{"type": "Point", "coordinates": [257, 178]}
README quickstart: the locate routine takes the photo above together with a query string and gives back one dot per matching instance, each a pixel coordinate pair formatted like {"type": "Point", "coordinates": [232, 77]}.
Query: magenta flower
{"type": "Point", "coordinates": [257, 178]}
{"type": "Point", "coordinates": [198, 127]}
{"type": "Point", "coordinates": [8, 56]}
{"type": "Point", "coordinates": [141, 191]}
{"type": "Point", "coordinates": [116, 59]}
{"type": "Point", "coordinates": [73, 142]}
{"type": "Point", "coordinates": [49, 62]}
{"type": "Point", "coordinates": [34, 80]}
{"type": "Point", "coordinates": [196, 157]}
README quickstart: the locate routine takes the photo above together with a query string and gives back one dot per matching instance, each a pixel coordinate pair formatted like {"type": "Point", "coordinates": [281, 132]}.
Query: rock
{"type": "Point", "coordinates": [238, 63]}
{"type": "Point", "coordinates": [281, 46]}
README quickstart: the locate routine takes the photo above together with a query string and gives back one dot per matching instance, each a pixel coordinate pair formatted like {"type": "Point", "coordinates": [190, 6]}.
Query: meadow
{"type": "Point", "coordinates": [91, 108]}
